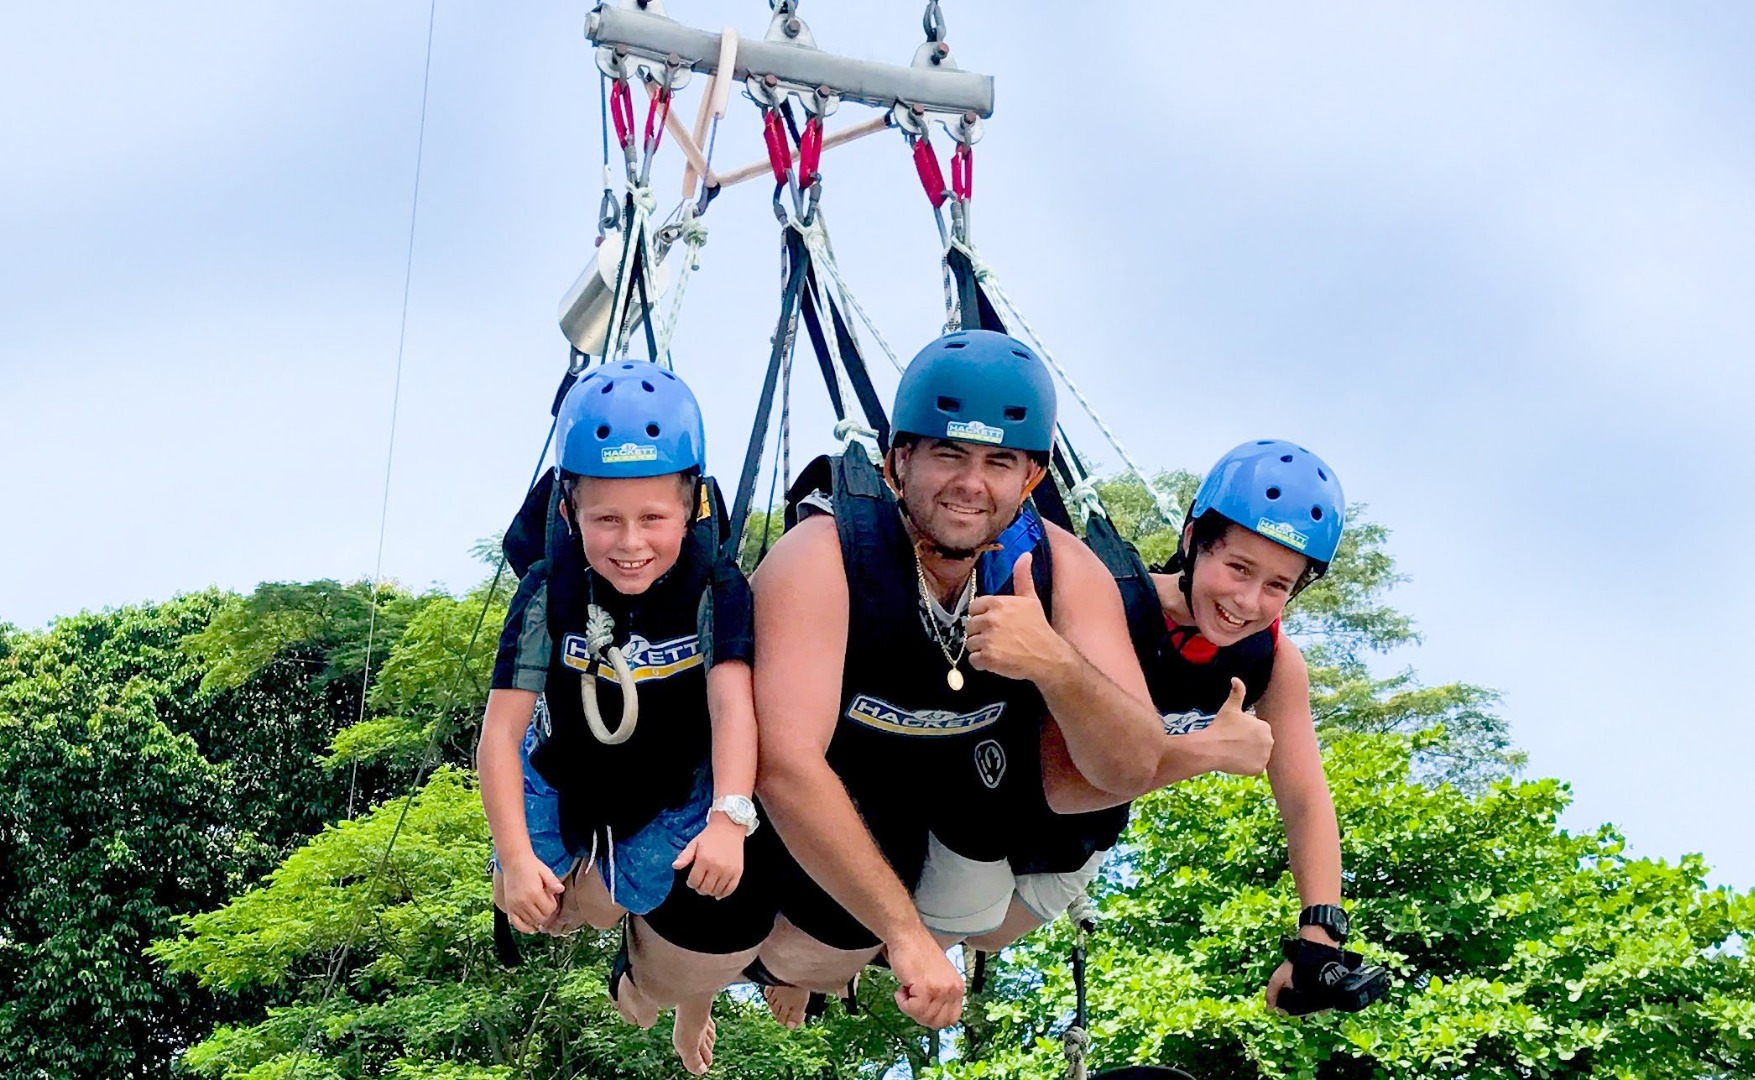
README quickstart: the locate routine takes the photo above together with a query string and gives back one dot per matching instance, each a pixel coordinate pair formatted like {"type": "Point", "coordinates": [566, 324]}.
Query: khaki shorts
{"type": "Point", "coordinates": [965, 897]}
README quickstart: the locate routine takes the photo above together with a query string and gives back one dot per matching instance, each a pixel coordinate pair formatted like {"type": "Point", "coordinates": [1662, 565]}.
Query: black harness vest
{"type": "Point", "coordinates": [1182, 690]}
{"type": "Point", "coordinates": [623, 787]}
{"type": "Point", "coordinates": [914, 754]}
{"type": "Point", "coordinates": [666, 636]}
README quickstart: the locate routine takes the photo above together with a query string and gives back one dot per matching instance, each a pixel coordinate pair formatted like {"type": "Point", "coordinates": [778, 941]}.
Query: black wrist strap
{"type": "Point", "coordinates": [1330, 917]}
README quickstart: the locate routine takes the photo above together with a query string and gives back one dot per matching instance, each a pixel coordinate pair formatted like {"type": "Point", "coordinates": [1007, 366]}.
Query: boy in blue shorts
{"type": "Point", "coordinates": [618, 752]}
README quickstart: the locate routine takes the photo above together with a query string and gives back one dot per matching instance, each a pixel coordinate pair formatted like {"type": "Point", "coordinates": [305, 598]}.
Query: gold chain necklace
{"type": "Point", "coordinates": [953, 677]}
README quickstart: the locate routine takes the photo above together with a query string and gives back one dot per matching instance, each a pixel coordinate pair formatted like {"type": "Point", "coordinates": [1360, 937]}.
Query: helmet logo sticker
{"type": "Point", "coordinates": [629, 451]}
{"type": "Point", "coordinates": [990, 762]}
{"type": "Point", "coordinates": [1285, 534]}
{"type": "Point", "coordinates": [974, 431]}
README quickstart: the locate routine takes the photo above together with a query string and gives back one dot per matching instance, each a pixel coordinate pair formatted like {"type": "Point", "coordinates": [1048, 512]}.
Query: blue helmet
{"type": "Point", "coordinates": [978, 386]}
{"type": "Point", "coordinates": [631, 418]}
{"type": "Point", "coordinates": [1281, 491]}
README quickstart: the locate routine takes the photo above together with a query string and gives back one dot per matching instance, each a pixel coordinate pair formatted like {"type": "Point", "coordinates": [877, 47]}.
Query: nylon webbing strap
{"type": "Point", "coordinates": [1049, 501]}
{"type": "Point", "coordinates": [860, 376]}
{"type": "Point", "coordinates": [813, 325]}
{"type": "Point", "coordinates": [798, 270]}
{"type": "Point", "coordinates": [971, 296]}
{"type": "Point", "coordinates": [852, 362]}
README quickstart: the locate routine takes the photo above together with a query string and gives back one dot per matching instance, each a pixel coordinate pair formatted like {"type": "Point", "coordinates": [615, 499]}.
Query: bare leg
{"type": "Point", "coordinates": [585, 902]}
{"type": "Point", "coordinates": [806, 965]}
{"type": "Point", "coordinates": [633, 1004]}
{"type": "Point", "coordinates": [671, 975]}
{"type": "Point", "coordinates": [795, 957]}
{"type": "Point", "coordinates": [694, 1033]}
{"type": "Point", "coordinates": [1019, 920]}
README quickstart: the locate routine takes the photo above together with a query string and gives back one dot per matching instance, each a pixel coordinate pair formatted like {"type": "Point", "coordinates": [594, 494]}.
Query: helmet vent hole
{"type": "Point", "coordinates": [1321, 475]}
{"type": "Point", "coordinates": [1021, 354]}
{"type": "Point", "coordinates": [1273, 493]}
{"type": "Point", "coordinates": [950, 404]}
{"type": "Point", "coordinates": [1316, 513]}
{"type": "Point", "coordinates": [607, 387]}
{"type": "Point", "coordinates": [646, 386]}
{"type": "Point", "coordinates": [1285, 457]}
{"type": "Point", "coordinates": [652, 430]}
{"type": "Point", "coordinates": [1263, 442]}
{"type": "Point", "coordinates": [1015, 412]}
{"type": "Point", "coordinates": [956, 344]}
{"type": "Point", "coordinates": [669, 375]}
{"type": "Point", "coordinates": [603, 431]}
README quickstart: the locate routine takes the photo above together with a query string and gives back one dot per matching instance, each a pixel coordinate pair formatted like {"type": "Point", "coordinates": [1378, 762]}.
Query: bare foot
{"type": "Point", "coordinates": [787, 1003]}
{"type": "Point", "coordinates": [694, 1034]}
{"type": "Point", "coordinates": [633, 1004]}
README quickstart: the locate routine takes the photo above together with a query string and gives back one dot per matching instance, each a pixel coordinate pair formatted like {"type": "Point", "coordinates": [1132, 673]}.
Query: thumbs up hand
{"type": "Point", "coordinates": [1239, 743]}
{"type": "Point", "coordinates": [1010, 635]}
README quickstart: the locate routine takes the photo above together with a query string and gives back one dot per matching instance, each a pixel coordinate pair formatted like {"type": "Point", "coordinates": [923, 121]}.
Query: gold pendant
{"type": "Point", "coordinates": [955, 678]}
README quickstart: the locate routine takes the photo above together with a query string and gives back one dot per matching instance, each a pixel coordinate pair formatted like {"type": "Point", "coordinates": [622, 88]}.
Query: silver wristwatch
{"type": "Point", "coordinates": [741, 809]}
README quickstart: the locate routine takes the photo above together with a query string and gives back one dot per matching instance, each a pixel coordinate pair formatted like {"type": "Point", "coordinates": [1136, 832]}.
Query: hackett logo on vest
{"type": "Point", "coordinates": [646, 660]}
{"type": "Point", "coordinates": [880, 714]}
{"type": "Point", "coordinates": [629, 452]}
{"type": "Point", "coordinates": [1187, 723]}
{"type": "Point", "coordinates": [990, 763]}
{"type": "Point", "coordinates": [1284, 533]}
{"type": "Point", "coordinates": [974, 431]}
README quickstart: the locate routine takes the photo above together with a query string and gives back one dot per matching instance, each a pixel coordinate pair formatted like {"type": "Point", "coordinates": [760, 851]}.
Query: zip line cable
{"type": "Point", "coordinates": [396, 383]}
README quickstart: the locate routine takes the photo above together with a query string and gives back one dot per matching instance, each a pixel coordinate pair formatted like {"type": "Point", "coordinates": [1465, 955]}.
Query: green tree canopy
{"type": "Point", "coordinates": [157, 762]}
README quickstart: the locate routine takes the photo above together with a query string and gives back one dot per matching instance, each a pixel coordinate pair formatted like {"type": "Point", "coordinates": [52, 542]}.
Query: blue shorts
{"type": "Point", "coordinates": [643, 873]}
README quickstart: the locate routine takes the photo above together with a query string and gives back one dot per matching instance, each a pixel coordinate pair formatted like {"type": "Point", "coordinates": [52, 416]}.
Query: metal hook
{"type": "Point", "coordinates": [933, 22]}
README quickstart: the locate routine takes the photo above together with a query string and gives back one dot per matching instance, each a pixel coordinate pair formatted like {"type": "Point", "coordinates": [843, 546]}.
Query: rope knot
{"type": "Point", "coordinates": [599, 630]}
{"type": "Point", "coordinates": [849, 430]}
{"type": "Point", "coordinates": [1075, 1045]}
{"type": "Point", "coordinates": [1084, 493]}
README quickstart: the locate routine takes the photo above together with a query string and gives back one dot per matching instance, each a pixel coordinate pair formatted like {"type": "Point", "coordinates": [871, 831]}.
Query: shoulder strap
{"type": "Point", "coordinates": [1139, 597]}
{"type": "Point", "coordinates": [527, 538]}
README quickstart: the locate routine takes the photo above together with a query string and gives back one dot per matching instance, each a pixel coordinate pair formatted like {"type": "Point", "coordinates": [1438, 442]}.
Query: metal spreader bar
{"type": "Point", "coordinates": [797, 63]}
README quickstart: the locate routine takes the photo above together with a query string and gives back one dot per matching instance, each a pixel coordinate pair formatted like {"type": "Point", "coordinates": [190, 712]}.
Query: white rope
{"type": "Point", "coordinates": [825, 256]}
{"type": "Point", "coordinates": [644, 203]}
{"type": "Point", "coordinates": [694, 236]}
{"type": "Point", "coordinates": [1082, 909]}
{"type": "Point", "coordinates": [599, 633]}
{"type": "Point", "coordinates": [850, 431]}
{"type": "Point", "coordinates": [1075, 1044]}
{"type": "Point", "coordinates": [1084, 495]}
{"type": "Point", "coordinates": [984, 273]}
{"type": "Point", "coordinates": [816, 239]}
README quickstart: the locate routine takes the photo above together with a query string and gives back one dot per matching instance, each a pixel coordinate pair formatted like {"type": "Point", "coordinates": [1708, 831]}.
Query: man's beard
{"type": "Point", "coordinates": [926, 541]}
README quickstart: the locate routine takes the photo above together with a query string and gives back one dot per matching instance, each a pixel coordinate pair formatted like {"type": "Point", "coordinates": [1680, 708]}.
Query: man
{"type": "Point", "coordinates": [909, 710]}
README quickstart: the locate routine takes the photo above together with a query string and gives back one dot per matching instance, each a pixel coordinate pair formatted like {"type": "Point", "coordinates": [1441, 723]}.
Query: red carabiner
{"type": "Point", "coordinates": [932, 178]}
{"type": "Point", "coordinates": [963, 172]}
{"type": "Point", "coordinates": [779, 150]}
{"type": "Point", "coordinates": [654, 121]}
{"type": "Point", "coordinates": [621, 109]}
{"type": "Point", "coordinates": [810, 151]}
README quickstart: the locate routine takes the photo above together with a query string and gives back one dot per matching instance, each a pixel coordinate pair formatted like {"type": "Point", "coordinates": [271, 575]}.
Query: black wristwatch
{"type": "Point", "coordinates": [1331, 917]}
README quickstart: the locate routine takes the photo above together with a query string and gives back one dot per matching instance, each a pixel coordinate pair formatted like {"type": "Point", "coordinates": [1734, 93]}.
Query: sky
{"type": "Point", "coordinates": [1492, 261]}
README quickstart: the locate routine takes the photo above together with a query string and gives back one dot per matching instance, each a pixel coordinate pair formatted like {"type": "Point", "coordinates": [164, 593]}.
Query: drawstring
{"type": "Point", "coordinates": [609, 855]}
